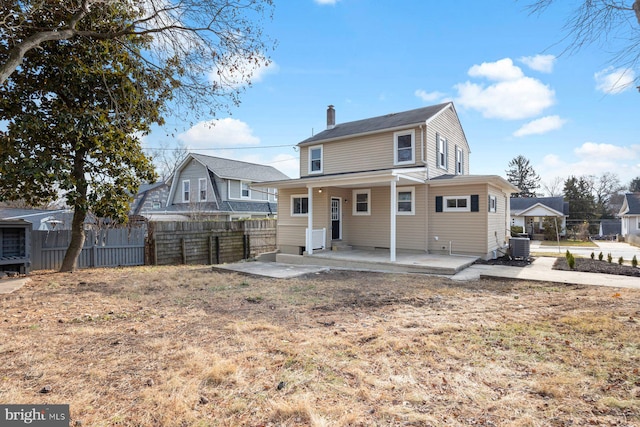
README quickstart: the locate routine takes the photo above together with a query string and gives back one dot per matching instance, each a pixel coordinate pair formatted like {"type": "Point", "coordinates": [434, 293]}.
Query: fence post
{"type": "Point", "coordinates": [184, 251]}
{"type": "Point", "coordinates": [210, 250]}
{"type": "Point", "coordinates": [217, 249]}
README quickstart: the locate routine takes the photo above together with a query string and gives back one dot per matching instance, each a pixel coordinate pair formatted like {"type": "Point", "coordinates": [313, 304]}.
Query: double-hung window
{"type": "Point", "coordinates": [245, 192]}
{"type": "Point", "coordinates": [459, 161]}
{"type": "Point", "coordinates": [404, 147]}
{"type": "Point", "coordinates": [299, 205]}
{"type": "Point", "coordinates": [202, 189]}
{"type": "Point", "coordinates": [406, 201]}
{"type": "Point", "coordinates": [315, 159]}
{"type": "Point", "coordinates": [186, 190]}
{"type": "Point", "coordinates": [441, 152]}
{"type": "Point", "coordinates": [361, 202]}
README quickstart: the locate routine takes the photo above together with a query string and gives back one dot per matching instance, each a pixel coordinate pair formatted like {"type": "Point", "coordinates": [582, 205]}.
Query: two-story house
{"type": "Point", "coordinates": [399, 182]}
{"type": "Point", "coordinates": [207, 187]}
{"type": "Point", "coordinates": [630, 216]}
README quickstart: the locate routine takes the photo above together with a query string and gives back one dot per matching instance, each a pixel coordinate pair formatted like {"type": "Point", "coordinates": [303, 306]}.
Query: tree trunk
{"type": "Point", "coordinates": [70, 261]}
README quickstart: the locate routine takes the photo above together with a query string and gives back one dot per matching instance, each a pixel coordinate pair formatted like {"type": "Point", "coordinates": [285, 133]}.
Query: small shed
{"type": "Point", "coordinates": [15, 246]}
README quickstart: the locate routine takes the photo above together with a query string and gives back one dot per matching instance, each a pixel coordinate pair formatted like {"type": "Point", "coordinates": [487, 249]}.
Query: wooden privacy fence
{"type": "Point", "coordinates": [102, 248]}
{"type": "Point", "coordinates": [210, 242]}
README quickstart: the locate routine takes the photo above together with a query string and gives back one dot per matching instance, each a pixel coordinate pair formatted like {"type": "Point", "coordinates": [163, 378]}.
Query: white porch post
{"type": "Point", "coordinates": [392, 226]}
{"type": "Point", "coordinates": [309, 242]}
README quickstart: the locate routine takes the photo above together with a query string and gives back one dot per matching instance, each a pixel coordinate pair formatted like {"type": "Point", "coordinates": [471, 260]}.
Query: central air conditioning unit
{"type": "Point", "coordinates": [519, 247]}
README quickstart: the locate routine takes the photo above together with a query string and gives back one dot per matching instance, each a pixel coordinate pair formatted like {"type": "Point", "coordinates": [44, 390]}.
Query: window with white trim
{"type": "Point", "coordinates": [404, 147]}
{"type": "Point", "coordinates": [156, 204]}
{"type": "Point", "coordinates": [202, 189]}
{"type": "Point", "coordinates": [186, 190]}
{"type": "Point", "coordinates": [441, 152]}
{"type": "Point", "coordinates": [493, 204]}
{"type": "Point", "coordinates": [459, 161]}
{"type": "Point", "coordinates": [406, 201]}
{"type": "Point", "coordinates": [245, 191]}
{"type": "Point", "coordinates": [299, 205]}
{"type": "Point", "coordinates": [315, 159]}
{"type": "Point", "coordinates": [457, 204]}
{"type": "Point", "coordinates": [362, 202]}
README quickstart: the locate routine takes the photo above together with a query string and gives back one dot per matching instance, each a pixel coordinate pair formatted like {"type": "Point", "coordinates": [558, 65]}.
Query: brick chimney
{"type": "Point", "coordinates": [331, 117]}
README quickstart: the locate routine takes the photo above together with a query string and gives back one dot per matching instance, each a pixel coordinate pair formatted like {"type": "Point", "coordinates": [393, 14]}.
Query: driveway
{"type": "Point", "coordinates": [616, 249]}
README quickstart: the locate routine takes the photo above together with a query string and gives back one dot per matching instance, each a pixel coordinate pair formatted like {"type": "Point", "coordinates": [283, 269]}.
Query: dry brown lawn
{"type": "Point", "coordinates": [187, 346]}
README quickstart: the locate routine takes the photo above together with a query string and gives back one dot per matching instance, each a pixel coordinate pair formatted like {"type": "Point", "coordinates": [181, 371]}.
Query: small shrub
{"type": "Point", "coordinates": [620, 261]}
{"type": "Point", "coordinates": [516, 229]}
{"type": "Point", "coordinates": [593, 255]}
{"type": "Point", "coordinates": [567, 254]}
{"type": "Point", "coordinates": [609, 258]}
{"type": "Point", "coordinates": [582, 233]}
{"type": "Point", "coordinates": [600, 256]}
{"type": "Point", "coordinates": [571, 261]}
{"type": "Point", "coordinates": [634, 261]}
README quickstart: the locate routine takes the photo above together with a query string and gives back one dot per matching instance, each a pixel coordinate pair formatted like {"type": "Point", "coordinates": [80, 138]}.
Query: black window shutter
{"type": "Point", "coordinates": [488, 203]}
{"type": "Point", "coordinates": [438, 203]}
{"type": "Point", "coordinates": [475, 203]}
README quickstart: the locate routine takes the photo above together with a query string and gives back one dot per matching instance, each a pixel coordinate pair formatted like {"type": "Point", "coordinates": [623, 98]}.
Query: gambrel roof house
{"type": "Point", "coordinates": [399, 182]}
{"type": "Point", "coordinates": [630, 214]}
{"type": "Point", "coordinates": [212, 188]}
{"type": "Point", "coordinates": [529, 213]}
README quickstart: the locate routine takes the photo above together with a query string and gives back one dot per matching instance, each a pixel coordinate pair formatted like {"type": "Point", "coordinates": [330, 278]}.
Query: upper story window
{"type": "Point", "coordinates": [299, 205]}
{"type": "Point", "coordinates": [315, 159]}
{"type": "Point", "coordinates": [362, 202]}
{"type": "Point", "coordinates": [404, 147]}
{"type": "Point", "coordinates": [202, 189]}
{"type": "Point", "coordinates": [406, 203]}
{"type": "Point", "coordinates": [459, 161]}
{"type": "Point", "coordinates": [186, 190]}
{"type": "Point", "coordinates": [441, 152]}
{"type": "Point", "coordinates": [273, 194]}
{"type": "Point", "coordinates": [245, 191]}
{"type": "Point", "coordinates": [156, 204]}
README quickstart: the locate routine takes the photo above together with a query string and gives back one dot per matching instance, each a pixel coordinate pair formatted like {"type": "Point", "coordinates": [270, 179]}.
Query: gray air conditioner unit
{"type": "Point", "coordinates": [519, 247]}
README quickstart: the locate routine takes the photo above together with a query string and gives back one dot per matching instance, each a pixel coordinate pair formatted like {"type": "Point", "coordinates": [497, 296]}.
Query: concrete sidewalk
{"type": "Point", "coordinates": [541, 270]}
{"type": "Point", "coordinates": [9, 285]}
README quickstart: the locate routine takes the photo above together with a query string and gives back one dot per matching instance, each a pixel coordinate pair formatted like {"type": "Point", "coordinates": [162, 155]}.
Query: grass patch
{"type": "Point", "coordinates": [203, 348]}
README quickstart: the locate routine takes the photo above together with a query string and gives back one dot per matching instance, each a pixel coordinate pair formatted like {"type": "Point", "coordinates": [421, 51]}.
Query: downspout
{"type": "Point", "coordinates": [423, 146]}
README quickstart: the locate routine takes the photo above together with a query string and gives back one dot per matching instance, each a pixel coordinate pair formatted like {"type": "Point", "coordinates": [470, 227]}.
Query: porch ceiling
{"type": "Point", "coordinates": [357, 179]}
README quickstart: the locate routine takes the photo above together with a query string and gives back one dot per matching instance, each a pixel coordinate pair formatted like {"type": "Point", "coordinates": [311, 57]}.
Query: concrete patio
{"type": "Point", "coordinates": [378, 260]}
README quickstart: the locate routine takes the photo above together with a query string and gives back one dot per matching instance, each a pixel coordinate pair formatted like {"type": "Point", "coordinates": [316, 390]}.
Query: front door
{"type": "Point", "coordinates": [335, 218]}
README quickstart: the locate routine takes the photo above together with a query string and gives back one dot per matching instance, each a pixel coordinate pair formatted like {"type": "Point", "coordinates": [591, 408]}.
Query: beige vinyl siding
{"type": "Point", "coordinates": [193, 172]}
{"type": "Point", "coordinates": [370, 152]}
{"type": "Point", "coordinates": [448, 126]}
{"type": "Point", "coordinates": [467, 231]}
{"type": "Point", "coordinates": [498, 222]}
{"type": "Point", "coordinates": [291, 229]}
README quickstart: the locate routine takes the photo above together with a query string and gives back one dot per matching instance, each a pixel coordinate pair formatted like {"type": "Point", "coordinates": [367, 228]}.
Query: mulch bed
{"type": "Point", "coordinates": [588, 265]}
{"type": "Point", "coordinates": [506, 260]}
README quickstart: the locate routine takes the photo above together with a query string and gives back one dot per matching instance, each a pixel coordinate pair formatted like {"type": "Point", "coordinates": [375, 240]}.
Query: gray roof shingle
{"type": "Point", "coordinates": [235, 169]}
{"type": "Point", "coordinates": [373, 124]}
{"type": "Point", "coordinates": [519, 204]}
{"type": "Point", "coordinates": [633, 201]}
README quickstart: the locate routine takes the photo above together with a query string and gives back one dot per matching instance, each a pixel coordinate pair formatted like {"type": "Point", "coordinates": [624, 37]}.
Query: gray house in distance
{"type": "Point", "coordinates": [630, 215]}
{"type": "Point", "coordinates": [207, 187]}
{"type": "Point", "coordinates": [530, 212]}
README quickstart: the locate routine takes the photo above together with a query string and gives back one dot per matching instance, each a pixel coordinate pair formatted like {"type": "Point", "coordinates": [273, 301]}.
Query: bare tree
{"type": "Point", "coordinates": [604, 188]}
{"type": "Point", "coordinates": [606, 21]}
{"type": "Point", "coordinates": [554, 187]}
{"type": "Point", "coordinates": [212, 47]}
{"type": "Point", "coordinates": [166, 159]}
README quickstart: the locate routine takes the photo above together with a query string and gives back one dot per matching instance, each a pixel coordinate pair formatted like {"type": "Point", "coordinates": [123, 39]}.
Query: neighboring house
{"type": "Point", "coordinates": [399, 182]}
{"type": "Point", "coordinates": [40, 219]}
{"type": "Point", "coordinates": [530, 212]}
{"type": "Point", "coordinates": [630, 214]}
{"type": "Point", "coordinates": [610, 228]}
{"type": "Point", "coordinates": [207, 187]}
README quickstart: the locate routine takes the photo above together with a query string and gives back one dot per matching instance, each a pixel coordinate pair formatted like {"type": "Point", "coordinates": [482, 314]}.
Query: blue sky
{"type": "Point", "coordinates": [504, 69]}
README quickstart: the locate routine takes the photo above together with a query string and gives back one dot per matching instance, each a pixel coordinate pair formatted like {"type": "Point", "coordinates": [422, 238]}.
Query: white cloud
{"type": "Point", "coordinates": [614, 81]}
{"type": "Point", "coordinates": [540, 126]}
{"type": "Point", "coordinates": [428, 96]}
{"type": "Point", "coordinates": [591, 150]}
{"type": "Point", "coordinates": [501, 70]}
{"type": "Point", "coordinates": [325, 2]}
{"type": "Point", "coordinates": [239, 71]}
{"type": "Point", "coordinates": [218, 133]}
{"type": "Point", "coordinates": [513, 96]}
{"type": "Point", "coordinates": [542, 63]}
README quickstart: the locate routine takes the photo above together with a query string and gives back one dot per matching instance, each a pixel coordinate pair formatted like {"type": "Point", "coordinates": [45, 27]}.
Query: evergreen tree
{"type": "Point", "coordinates": [634, 186]}
{"type": "Point", "coordinates": [522, 175]}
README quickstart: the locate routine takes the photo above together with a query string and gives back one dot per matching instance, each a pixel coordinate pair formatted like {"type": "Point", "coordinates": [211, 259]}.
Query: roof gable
{"type": "Point", "coordinates": [631, 204]}
{"type": "Point", "coordinates": [520, 205]}
{"type": "Point", "coordinates": [380, 123]}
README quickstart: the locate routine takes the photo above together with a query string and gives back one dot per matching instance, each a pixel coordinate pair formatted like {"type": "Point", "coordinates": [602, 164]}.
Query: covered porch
{"type": "Point", "coordinates": [379, 260]}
